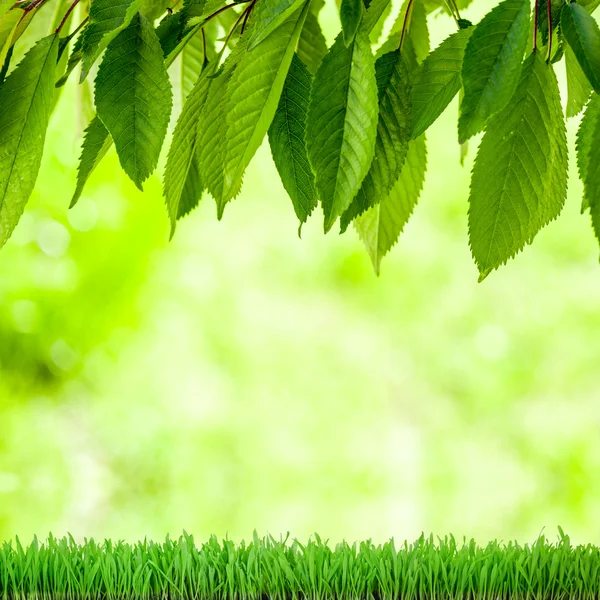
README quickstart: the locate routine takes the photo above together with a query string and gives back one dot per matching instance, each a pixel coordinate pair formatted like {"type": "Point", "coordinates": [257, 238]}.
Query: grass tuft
{"type": "Point", "coordinates": [266, 569]}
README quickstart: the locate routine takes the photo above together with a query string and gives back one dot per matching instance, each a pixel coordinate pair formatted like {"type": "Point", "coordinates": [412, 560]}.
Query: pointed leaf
{"type": "Point", "coordinates": [96, 144]}
{"type": "Point", "coordinates": [583, 35]}
{"type": "Point", "coordinates": [393, 134]}
{"type": "Point", "coordinates": [492, 64]}
{"type": "Point", "coordinates": [25, 105]}
{"type": "Point", "coordinates": [375, 14]}
{"type": "Point", "coordinates": [342, 123]}
{"type": "Point", "coordinates": [252, 99]}
{"type": "Point", "coordinates": [182, 153]}
{"type": "Point", "coordinates": [519, 179]}
{"type": "Point", "coordinates": [438, 80]}
{"type": "Point", "coordinates": [133, 97]}
{"type": "Point", "coordinates": [107, 19]}
{"type": "Point", "coordinates": [287, 140]}
{"type": "Point", "coordinates": [351, 13]}
{"type": "Point", "coordinates": [380, 227]}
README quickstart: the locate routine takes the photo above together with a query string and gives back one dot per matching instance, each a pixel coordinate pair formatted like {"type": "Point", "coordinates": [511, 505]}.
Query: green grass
{"type": "Point", "coordinates": [266, 568]}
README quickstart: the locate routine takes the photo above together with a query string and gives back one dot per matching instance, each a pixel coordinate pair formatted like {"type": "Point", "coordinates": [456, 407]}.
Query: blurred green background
{"type": "Point", "coordinates": [240, 378]}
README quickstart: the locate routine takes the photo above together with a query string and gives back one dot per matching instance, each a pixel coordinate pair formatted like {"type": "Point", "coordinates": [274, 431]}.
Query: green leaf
{"type": "Point", "coordinates": [25, 105]}
{"type": "Point", "coordinates": [5, 6]}
{"type": "Point", "coordinates": [192, 62]}
{"type": "Point", "coordinates": [585, 136]}
{"type": "Point", "coordinates": [107, 19]}
{"type": "Point", "coordinates": [578, 86]}
{"type": "Point", "coordinates": [96, 144]}
{"type": "Point", "coordinates": [288, 146]}
{"type": "Point", "coordinates": [394, 126]}
{"type": "Point", "coordinates": [133, 97]}
{"type": "Point", "coordinates": [8, 25]}
{"type": "Point", "coordinates": [351, 14]}
{"type": "Point", "coordinates": [583, 35]}
{"type": "Point", "coordinates": [519, 179]}
{"type": "Point", "coordinates": [182, 153]}
{"type": "Point", "coordinates": [211, 135]}
{"type": "Point", "coordinates": [590, 5]}
{"type": "Point", "coordinates": [375, 13]}
{"type": "Point", "coordinates": [342, 123]}
{"type": "Point", "coordinates": [492, 64]}
{"type": "Point", "coordinates": [271, 14]}
{"type": "Point", "coordinates": [416, 42]}
{"type": "Point", "coordinates": [380, 227]}
{"type": "Point", "coordinates": [438, 80]}
{"type": "Point", "coordinates": [312, 46]}
{"type": "Point", "coordinates": [252, 99]}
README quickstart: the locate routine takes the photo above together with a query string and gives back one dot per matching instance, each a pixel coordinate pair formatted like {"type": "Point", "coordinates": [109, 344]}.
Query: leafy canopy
{"type": "Point", "coordinates": [346, 124]}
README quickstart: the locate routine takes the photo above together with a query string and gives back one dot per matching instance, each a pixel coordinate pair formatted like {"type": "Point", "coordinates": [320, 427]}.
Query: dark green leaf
{"type": "Point", "coordinates": [288, 146]}
{"type": "Point", "coordinates": [583, 36]}
{"type": "Point", "coordinates": [585, 136]}
{"type": "Point", "coordinates": [519, 179]}
{"type": "Point", "coordinates": [25, 105]}
{"type": "Point", "coordinates": [107, 19]}
{"type": "Point", "coordinates": [133, 97]}
{"type": "Point", "coordinates": [351, 13]}
{"type": "Point", "coordinates": [492, 64]}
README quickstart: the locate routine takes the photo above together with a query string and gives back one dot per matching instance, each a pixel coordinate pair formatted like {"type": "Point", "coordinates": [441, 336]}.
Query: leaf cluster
{"type": "Point", "coordinates": [346, 124]}
{"type": "Point", "coordinates": [269, 569]}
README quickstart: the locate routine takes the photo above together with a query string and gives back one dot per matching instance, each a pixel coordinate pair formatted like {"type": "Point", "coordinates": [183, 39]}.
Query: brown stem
{"type": "Point", "coordinates": [549, 12]}
{"type": "Point", "coordinates": [64, 19]}
{"type": "Point", "coordinates": [535, 24]}
{"type": "Point", "coordinates": [406, 24]}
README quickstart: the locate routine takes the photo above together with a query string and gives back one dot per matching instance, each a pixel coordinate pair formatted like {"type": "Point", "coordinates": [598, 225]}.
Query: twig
{"type": "Point", "coordinates": [64, 19]}
{"type": "Point", "coordinates": [406, 24]}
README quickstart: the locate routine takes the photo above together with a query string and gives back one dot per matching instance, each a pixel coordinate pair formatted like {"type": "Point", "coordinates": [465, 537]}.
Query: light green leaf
{"type": "Point", "coordinates": [492, 64]}
{"type": "Point", "coordinates": [25, 105]}
{"type": "Point", "coordinates": [287, 140]}
{"type": "Point", "coordinates": [438, 80]}
{"type": "Point", "coordinates": [578, 86]}
{"type": "Point", "coordinates": [133, 97]}
{"type": "Point", "coordinates": [271, 14]}
{"type": "Point", "coordinates": [192, 62]}
{"type": "Point", "coordinates": [8, 25]}
{"type": "Point", "coordinates": [107, 19]}
{"type": "Point", "coordinates": [351, 13]}
{"type": "Point", "coordinates": [342, 123]}
{"type": "Point", "coordinates": [394, 126]}
{"type": "Point", "coordinates": [590, 5]}
{"type": "Point", "coordinates": [211, 136]}
{"type": "Point", "coordinates": [583, 35]}
{"type": "Point", "coordinates": [585, 137]}
{"type": "Point", "coordinates": [252, 98]}
{"type": "Point", "coordinates": [96, 144]}
{"type": "Point", "coordinates": [375, 15]}
{"type": "Point", "coordinates": [519, 179]}
{"type": "Point", "coordinates": [182, 153]}
{"type": "Point", "coordinates": [312, 46]}
{"type": "Point", "coordinates": [380, 227]}
{"type": "Point", "coordinates": [5, 6]}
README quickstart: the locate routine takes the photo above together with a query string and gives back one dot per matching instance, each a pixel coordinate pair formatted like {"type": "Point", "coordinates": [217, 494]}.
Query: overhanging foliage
{"type": "Point", "coordinates": [346, 124]}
